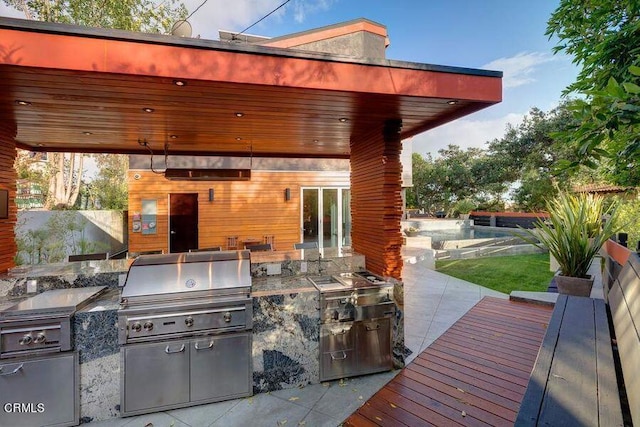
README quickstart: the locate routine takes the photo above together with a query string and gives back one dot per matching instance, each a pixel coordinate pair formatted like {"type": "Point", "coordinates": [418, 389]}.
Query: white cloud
{"type": "Point", "coordinates": [233, 15]}
{"type": "Point", "coordinates": [228, 15]}
{"type": "Point", "coordinates": [464, 133]}
{"type": "Point", "coordinates": [518, 70]}
{"type": "Point", "coordinates": [238, 14]}
{"type": "Point", "coordinates": [303, 7]}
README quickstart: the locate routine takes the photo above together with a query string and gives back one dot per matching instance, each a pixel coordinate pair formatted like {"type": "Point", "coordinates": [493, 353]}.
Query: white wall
{"type": "Point", "coordinates": [107, 227]}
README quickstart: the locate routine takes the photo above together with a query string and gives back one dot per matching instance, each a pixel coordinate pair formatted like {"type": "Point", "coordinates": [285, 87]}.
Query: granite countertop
{"type": "Point", "coordinates": [300, 255]}
{"type": "Point", "coordinates": [109, 300]}
{"type": "Point", "coordinates": [276, 285]}
{"type": "Point", "coordinates": [89, 268]}
{"type": "Point", "coordinates": [261, 286]}
{"type": "Point", "coordinates": [86, 268]}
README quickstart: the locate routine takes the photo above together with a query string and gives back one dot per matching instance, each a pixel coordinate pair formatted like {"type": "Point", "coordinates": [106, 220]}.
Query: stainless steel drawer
{"type": "Point", "coordinates": [337, 364]}
{"type": "Point", "coordinates": [40, 391]}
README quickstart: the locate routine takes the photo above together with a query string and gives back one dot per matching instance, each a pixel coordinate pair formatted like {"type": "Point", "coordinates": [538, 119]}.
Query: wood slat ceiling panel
{"type": "Point", "coordinates": [278, 120]}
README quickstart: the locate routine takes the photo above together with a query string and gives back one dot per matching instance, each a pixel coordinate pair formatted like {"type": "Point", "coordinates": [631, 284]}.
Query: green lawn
{"type": "Point", "coordinates": [503, 273]}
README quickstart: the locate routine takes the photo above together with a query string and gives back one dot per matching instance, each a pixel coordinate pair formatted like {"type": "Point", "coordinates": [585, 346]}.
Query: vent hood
{"type": "Point", "coordinates": [208, 174]}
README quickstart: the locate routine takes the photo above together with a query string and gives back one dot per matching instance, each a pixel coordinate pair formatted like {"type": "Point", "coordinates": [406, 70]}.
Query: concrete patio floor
{"type": "Point", "coordinates": [433, 302]}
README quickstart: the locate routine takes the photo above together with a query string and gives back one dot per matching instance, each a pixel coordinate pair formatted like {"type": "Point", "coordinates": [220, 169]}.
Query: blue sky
{"type": "Point", "coordinates": [503, 35]}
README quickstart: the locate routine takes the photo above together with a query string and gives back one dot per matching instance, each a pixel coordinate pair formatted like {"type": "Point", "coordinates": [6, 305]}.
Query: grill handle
{"type": "Point", "coordinates": [168, 351]}
{"type": "Point", "coordinates": [15, 371]}
{"type": "Point", "coordinates": [333, 357]}
{"type": "Point", "coordinates": [204, 348]}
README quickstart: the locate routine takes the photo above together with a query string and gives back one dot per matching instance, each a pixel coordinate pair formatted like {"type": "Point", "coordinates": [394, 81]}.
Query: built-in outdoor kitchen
{"type": "Point", "coordinates": [174, 330]}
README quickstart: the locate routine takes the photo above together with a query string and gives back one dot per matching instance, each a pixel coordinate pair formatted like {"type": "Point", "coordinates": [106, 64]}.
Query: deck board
{"type": "Point", "coordinates": [475, 374]}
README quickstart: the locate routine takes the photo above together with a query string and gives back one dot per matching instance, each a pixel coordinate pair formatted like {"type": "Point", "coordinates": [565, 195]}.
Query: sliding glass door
{"type": "Point", "coordinates": [326, 216]}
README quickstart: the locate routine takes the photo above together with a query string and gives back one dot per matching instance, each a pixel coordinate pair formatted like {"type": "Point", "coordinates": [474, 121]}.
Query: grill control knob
{"type": "Point", "coordinates": [188, 321]}
{"type": "Point", "coordinates": [148, 325]}
{"type": "Point", "coordinates": [26, 340]}
{"type": "Point", "coordinates": [227, 317]}
{"type": "Point", "coordinates": [137, 327]}
{"type": "Point", "coordinates": [40, 338]}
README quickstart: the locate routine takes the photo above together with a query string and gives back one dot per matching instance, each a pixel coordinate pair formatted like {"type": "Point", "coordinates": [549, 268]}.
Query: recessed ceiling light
{"type": "Point", "coordinates": [40, 145]}
{"type": "Point", "coordinates": [87, 133]}
{"type": "Point", "coordinates": [343, 119]}
{"type": "Point", "coordinates": [316, 140]}
{"type": "Point", "coordinates": [452, 102]}
{"type": "Point", "coordinates": [148, 110]}
{"type": "Point", "coordinates": [239, 114]}
{"type": "Point", "coordinates": [238, 139]}
{"type": "Point", "coordinates": [173, 136]}
{"type": "Point", "coordinates": [179, 83]}
{"type": "Point", "coordinates": [21, 102]}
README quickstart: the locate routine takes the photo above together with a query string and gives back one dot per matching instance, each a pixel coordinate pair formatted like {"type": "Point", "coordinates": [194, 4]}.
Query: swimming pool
{"type": "Point", "coordinates": [465, 234]}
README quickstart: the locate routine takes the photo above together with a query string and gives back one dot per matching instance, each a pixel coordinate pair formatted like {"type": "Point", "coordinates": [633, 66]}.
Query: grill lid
{"type": "Point", "coordinates": [182, 273]}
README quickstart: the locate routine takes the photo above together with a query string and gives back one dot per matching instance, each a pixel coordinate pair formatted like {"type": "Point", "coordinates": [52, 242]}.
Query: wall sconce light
{"type": "Point", "coordinates": [287, 194]}
{"type": "Point", "coordinates": [211, 194]}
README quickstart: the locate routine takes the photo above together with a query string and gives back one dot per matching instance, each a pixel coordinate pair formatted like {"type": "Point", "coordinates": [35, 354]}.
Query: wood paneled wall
{"type": "Point", "coordinates": [8, 247]}
{"type": "Point", "coordinates": [247, 209]}
{"type": "Point", "coordinates": [376, 201]}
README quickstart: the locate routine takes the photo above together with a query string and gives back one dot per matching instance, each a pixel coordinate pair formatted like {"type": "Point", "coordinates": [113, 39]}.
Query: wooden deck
{"type": "Point", "coordinates": [475, 374]}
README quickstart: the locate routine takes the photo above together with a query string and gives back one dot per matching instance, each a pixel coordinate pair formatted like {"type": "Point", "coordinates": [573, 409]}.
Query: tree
{"type": "Point", "coordinates": [109, 189]}
{"type": "Point", "coordinates": [133, 15]}
{"type": "Point", "coordinates": [456, 175]}
{"type": "Point", "coordinates": [65, 178]}
{"type": "Point", "coordinates": [425, 193]}
{"type": "Point", "coordinates": [603, 37]}
{"type": "Point", "coordinates": [65, 170]}
{"type": "Point", "coordinates": [528, 153]}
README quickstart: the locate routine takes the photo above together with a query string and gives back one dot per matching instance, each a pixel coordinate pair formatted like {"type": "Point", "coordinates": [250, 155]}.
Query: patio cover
{"type": "Point", "coordinates": [77, 89]}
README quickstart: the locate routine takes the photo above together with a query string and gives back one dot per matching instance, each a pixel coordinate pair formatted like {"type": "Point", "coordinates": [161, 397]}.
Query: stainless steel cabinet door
{"type": "Point", "coordinates": [221, 367]}
{"type": "Point", "coordinates": [337, 336]}
{"type": "Point", "coordinates": [155, 375]}
{"type": "Point", "coordinates": [39, 392]}
{"type": "Point", "coordinates": [373, 345]}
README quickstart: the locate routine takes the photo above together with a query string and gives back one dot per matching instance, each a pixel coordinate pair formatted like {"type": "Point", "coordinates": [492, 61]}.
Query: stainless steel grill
{"type": "Point", "coordinates": [355, 332]}
{"type": "Point", "coordinates": [37, 363]}
{"type": "Point", "coordinates": [185, 330]}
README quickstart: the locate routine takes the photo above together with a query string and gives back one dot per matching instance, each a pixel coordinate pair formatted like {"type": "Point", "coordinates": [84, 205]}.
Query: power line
{"type": "Point", "coordinates": [259, 20]}
{"type": "Point", "coordinates": [197, 8]}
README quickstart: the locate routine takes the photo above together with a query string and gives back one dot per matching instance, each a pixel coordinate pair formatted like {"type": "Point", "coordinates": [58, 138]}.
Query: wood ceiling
{"type": "Point", "coordinates": [75, 105]}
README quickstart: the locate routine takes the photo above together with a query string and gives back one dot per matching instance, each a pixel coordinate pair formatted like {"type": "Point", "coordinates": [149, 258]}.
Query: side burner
{"type": "Point", "coordinates": [38, 364]}
{"type": "Point", "coordinates": [41, 324]}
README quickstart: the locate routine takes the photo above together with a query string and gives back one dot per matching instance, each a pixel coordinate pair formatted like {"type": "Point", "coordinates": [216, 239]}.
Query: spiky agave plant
{"type": "Point", "coordinates": [574, 231]}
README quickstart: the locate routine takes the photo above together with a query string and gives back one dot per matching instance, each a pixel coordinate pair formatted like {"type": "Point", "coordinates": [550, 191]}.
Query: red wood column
{"type": "Point", "coordinates": [376, 202]}
{"type": "Point", "coordinates": [8, 246]}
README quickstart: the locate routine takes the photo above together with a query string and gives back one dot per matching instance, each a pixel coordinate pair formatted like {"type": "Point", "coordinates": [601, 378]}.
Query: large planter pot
{"type": "Point", "coordinates": [577, 286]}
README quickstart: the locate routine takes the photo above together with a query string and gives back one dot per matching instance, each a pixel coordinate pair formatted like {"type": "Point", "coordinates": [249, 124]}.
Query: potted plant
{"type": "Point", "coordinates": [411, 231]}
{"type": "Point", "coordinates": [463, 207]}
{"type": "Point", "coordinates": [573, 234]}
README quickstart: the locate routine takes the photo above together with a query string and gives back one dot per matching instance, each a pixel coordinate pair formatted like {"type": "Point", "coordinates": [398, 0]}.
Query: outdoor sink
{"type": "Point", "coordinates": [325, 282]}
